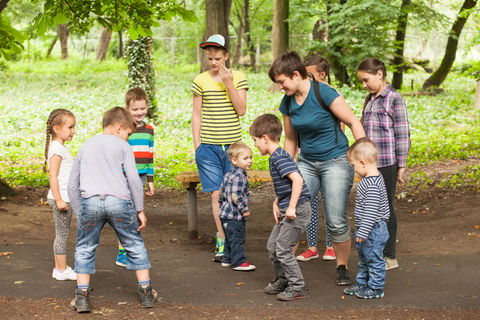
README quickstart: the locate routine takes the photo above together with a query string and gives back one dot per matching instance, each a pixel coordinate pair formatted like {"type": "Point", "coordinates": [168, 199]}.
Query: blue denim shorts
{"type": "Point", "coordinates": [334, 179]}
{"type": "Point", "coordinates": [121, 215]}
{"type": "Point", "coordinates": [212, 163]}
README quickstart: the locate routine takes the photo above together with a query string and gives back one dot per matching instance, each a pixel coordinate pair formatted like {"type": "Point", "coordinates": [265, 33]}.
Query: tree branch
{"type": "Point", "coordinates": [253, 16]}
{"type": "Point", "coordinates": [3, 5]}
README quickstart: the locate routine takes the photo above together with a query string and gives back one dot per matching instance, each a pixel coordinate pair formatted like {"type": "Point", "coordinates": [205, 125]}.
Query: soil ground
{"type": "Point", "coordinates": [432, 222]}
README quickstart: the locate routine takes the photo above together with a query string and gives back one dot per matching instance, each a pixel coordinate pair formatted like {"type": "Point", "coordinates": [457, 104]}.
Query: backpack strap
{"type": "Point", "coordinates": [316, 89]}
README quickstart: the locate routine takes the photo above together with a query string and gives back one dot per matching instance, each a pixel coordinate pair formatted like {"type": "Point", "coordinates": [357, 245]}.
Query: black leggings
{"type": "Point", "coordinates": [390, 176]}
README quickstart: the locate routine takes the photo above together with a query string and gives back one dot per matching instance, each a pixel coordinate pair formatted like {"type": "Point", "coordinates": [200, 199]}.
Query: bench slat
{"type": "Point", "coordinates": [253, 176]}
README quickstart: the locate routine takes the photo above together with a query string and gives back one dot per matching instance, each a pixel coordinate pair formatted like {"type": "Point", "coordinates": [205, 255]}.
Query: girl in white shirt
{"type": "Point", "coordinates": [61, 128]}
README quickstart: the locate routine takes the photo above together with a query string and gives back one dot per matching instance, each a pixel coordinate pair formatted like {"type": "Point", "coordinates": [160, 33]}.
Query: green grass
{"type": "Point", "coordinates": [442, 127]}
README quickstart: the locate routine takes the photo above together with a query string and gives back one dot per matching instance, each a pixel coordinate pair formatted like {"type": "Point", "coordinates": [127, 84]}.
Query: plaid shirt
{"type": "Point", "coordinates": [234, 195]}
{"type": "Point", "coordinates": [385, 122]}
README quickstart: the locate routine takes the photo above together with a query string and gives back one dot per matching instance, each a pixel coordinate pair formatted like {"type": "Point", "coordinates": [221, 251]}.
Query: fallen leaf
{"type": "Point", "coordinates": [56, 307]}
{"type": "Point", "coordinates": [240, 283]}
{"type": "Point", "coordinates": [121, 303]}
{"type": "Point", "coordinates": [171, 222]}
{"type": "Point", "coordinates": [437, 264]}
{"type": "Point", "coordinates": [5, 253]}
{"type": "Point", "coordinates": [477, 227]}
{"type": "Point", "coordinates": [18, 282]}
{"type": "Point", "coordinates": [343, 297]}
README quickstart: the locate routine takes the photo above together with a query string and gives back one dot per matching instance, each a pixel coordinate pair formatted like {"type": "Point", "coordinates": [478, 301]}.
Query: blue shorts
{"type": "Point", "coordinates": [212, 163]}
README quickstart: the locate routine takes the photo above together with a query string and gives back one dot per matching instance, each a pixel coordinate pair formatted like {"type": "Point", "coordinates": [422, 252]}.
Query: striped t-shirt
{"type": "Point", "coordinates": [281, 165]}
{"type": "Point", "coordinates": [371, 204]}
{"type": "Point", "coordinates": [220, 121]}
{"type": "Point", "coordinates": [142, 141]}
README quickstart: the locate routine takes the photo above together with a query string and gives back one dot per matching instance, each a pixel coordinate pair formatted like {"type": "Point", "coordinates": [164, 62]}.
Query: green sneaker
{"type": "Point", "coordinates": [219, 255]}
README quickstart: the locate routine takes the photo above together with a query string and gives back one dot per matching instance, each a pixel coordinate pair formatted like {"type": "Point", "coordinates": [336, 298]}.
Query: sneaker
{"type": "Point", "coordinates": [245, 267]}
{"type": "Point", "coordinates": [329, 255]}
{"type": "Point", "coordinates": [353, 290]}
{"type": "Point", "coordinates": [368, 293]}
{"type": "Point", "coordinates": [390, 263]}
{"type": "Point", "coordinates": [343, 276]}
{"type": "Point", "coordinates": [291, 294]}
{"type": "Point", "coordinates": [147, 296]}
{"type": "Point", "coordinates": [121, 260]}
{"type": "Point", "coordinates": [308, 255]}
{"type": "Point", "coordinates": [226, 265]}
{"type": "Point", "coordinates": [217, 243]}
{"type": "Point", "coordinates": [218, 257]}
{"type": "Point", "coordinates": [276, 286]}
{"type": "Point", "coordinates": [67, 274]}
{"type": "Point", "coordinates": [81, 303]}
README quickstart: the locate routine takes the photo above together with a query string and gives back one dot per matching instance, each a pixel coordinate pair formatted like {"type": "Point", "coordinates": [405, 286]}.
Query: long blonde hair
{"type": "Point", "coordinates": [56, 118]}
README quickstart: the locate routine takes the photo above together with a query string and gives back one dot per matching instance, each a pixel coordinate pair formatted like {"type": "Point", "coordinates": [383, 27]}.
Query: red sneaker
{"type": "Point", "coordinates": [308, 255]}
{"type": "Point", "coordinates": [329, 255]}
{"type": "Point", "coordinates": [245, 267]}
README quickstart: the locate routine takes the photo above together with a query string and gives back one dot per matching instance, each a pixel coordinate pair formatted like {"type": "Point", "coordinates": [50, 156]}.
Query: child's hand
{"type": "Point", "coordinates": [360, 240]}
{"type": "Point", "coordinates": [246, 214]}
{"type": "Point", "coordinates": [291, 213]}
{"type": "Point", "coordinates": [142, 220]}
{"type": "Point", "coordinates": [226, 74]}
{"type": "Point", "coordinates": [276, 210]}
{"type": "Point", "coordinates": [61, 205]}
{"type": "Point", "coordinates": [150, 189]}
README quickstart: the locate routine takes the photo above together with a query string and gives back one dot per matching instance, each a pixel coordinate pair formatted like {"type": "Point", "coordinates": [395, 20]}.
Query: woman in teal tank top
{"type": "Point", "coordinates": [312, 116]}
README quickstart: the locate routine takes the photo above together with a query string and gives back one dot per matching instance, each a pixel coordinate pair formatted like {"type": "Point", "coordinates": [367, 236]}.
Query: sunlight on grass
{"type": "Point", "coordinates": [442, 127]}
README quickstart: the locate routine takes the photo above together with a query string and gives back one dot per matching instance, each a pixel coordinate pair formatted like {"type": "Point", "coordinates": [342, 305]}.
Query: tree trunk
{"type": "Point", "coordinates": [248, 39]}
{"type": "Point", "coordinates": [120, 45]}
{"type": "Point", "coordinates": [400, 42]}
{"type": "Point", "coordinates": [217, 17]}
{"type": "Point", "coordinates": [441, 73]}
{"type": "Point", "coordinates": [141, 70]}
{"type": "Point", "coordinates": [279, 32]}
{"type": "Point", "coordinates": [104, 43]}
{"type": "Point", "coordinates": [3, 4]}
{"type": "Point", "coordinates": [477, 97]}
{"type": "Point", "coordinates": [5, 189]}
{"type": "Point", "coordinates": [319, 35]}
{"type": "Point", "coordinates": [50, 48]}
{"type": "Point", "coordinates": [63, 33]}
{"type": "Point", "coordinates": [237, 53]}
{"type": "Point", "coordinates": [339, 71]}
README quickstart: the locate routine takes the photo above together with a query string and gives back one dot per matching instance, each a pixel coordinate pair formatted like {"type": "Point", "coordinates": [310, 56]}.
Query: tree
{"type": "Point", "coordinates": [400, 40]}
{"type": "Point", "coordinates": [441, 73]}
{"type": "Point", "coordinates": [63, 34]}
{"type": "Point", "coordinates": [217, 18]}
{"type": "Point", "coordinates": [104, 43]}
{"type": "Point", "coordinates": [10, 38]}
{"type": "Point", "coordinates": [279, 32]}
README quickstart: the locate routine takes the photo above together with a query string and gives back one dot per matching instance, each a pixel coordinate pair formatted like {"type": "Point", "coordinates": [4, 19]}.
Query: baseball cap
{"type": "Point", "coordinates": [217, 40]}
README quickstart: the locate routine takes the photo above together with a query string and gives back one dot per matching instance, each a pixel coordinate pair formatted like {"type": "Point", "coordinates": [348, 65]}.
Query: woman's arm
{"type": "Point", "coordinates": [291, 137]}
{"type": "Point", "coordinates": [342, 111]}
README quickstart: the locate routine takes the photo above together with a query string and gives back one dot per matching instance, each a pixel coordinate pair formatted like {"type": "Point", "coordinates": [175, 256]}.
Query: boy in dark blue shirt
{"type": "Point", "coordinates": [291, 209]}
{"type": "Point", "coordinates": [233, 200]}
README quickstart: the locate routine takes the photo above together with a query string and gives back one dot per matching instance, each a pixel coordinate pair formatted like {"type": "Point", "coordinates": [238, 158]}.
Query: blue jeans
{"type": "Point", "coordinates": [334, 179]}
{"type": "Point", "coordinates": [371, 268]}
{"type": "Point", "coordinates": [212, 163]}
{"type": "Point", "coordinates": [121, 215]}
{"type": "Point", "coordinates": [233, 249]}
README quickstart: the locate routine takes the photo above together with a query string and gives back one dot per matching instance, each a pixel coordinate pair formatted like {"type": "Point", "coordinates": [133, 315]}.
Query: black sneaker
{"type": "Point", "coordinates": [81, 303]}
{"type": "Point", "coordinates": [276, 286]}
{"type": "Point", "coordinates": [147, 296]}
{"type": "Point", "coordinates": [343, 276]}
{"type": "Point", "coordinates": [291, 294]}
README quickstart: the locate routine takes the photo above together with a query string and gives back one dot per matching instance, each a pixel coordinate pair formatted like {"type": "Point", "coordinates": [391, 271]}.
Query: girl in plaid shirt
{"type": "Point", "coordinates": [385, 122]}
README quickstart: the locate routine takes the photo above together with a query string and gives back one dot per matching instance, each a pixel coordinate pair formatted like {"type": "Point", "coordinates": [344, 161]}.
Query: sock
{"type": "Point", "coordinates": [121, 250]}
{"type": "Point", "coordinates": [60, 271]}
{"type": "Point", "coordinates": [83, 287]}
{"type": "Point", "coordinates": [144, 283]}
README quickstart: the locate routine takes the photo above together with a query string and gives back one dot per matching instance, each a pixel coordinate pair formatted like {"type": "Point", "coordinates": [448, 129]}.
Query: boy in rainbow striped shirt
{"type": "Point", "coordinates": [142, 142]}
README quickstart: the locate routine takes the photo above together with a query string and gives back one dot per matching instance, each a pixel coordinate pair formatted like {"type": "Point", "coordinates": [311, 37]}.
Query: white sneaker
{"type": "Point", "coordinates": [68, 274]}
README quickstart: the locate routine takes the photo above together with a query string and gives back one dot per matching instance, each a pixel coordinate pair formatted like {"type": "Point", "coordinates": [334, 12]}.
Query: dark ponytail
{"type": "Point", "coordinates": [372, 66]}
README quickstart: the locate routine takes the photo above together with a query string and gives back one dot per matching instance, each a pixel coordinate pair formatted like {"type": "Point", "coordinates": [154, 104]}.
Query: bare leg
{"type": "Point", "coordinates": [342, 251]}
{"type": "Point", "coordinates": [295, 248]}
{"type": "Point", "coordinates": [83, 278]}
{"type": "Point", "coordinates": [142, 275]}
{"type": "Point", "coordinates": [60, 262]}
{"type": "Point", "coordinates": [216, 212]}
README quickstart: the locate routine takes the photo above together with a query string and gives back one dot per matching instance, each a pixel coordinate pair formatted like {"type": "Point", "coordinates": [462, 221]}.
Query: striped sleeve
{"type": "Point", "coordinates": [285, 166]}
{"type": "Point", "coordinates": [240, 81]}
{"type": "Point", "coordinates": [401, 131]}
{"type": "Point", "coordinates": [150, 167]}
{"type": "Point", "coordinates": [197, 86]}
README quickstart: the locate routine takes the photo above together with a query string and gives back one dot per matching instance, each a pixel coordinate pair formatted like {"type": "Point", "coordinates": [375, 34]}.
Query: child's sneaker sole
{"type": "Point", "coordinates": [226, 265]}
{"type": "Point", "coordinates": [249, 268]}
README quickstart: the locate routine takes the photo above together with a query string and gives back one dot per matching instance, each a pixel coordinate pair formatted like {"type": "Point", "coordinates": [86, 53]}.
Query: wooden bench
{"type": "Point", "coordinates": [191, 179]}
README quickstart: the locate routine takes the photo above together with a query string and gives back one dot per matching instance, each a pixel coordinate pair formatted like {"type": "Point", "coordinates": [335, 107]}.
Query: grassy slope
{"type": "Point", "coordinates": [445, 126]}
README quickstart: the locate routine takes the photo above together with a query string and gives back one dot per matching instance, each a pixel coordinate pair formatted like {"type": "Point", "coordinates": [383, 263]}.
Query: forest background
{"type": "Point", "coordinates": [58, 54]}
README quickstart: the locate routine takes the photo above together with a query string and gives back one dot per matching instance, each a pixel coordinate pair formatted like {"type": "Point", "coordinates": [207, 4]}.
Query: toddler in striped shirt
{"type": "Point", "coordinates": [371, 213]}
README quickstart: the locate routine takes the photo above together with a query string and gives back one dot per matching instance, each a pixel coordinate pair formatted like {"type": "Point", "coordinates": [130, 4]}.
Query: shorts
{"type": "Point", "coordinates": [212, 163]}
